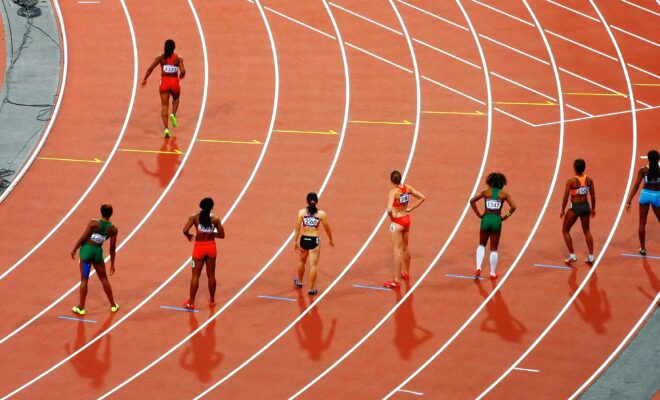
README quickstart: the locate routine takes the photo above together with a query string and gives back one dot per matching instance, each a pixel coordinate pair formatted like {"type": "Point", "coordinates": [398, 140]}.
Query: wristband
{"type": "Point", "coordinates": [508, 214]}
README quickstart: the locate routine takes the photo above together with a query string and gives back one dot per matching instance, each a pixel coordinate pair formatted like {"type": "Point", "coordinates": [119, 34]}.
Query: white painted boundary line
{"type": "Point", "coordinates": [584, 46]}
{"type": "Point", "coordinates": [618, 349]}
{"type": "Point", "coordinates": [376, 228]}
{"type": "Point", "coordinates": [299, 22]}
{"type": "Point", "coordinates": [527, 370]}
{"type": "Point", "coordinates": [411, 392]}
{"type": "Point", "coordinates": [442, 85]}
{"type": "Point", "coordinates": [448, 54]}
{"type": "Point", "coordinates": [456, 226]}
{"type": "Point", "coordinates": [641, 8]}
{"type": "Point", "coordinates": [644, 71]}
{"type": "Point", "coordinates": [378, 57]}
{"type": "Point", "coordinates": [504, 13]}
{"type": "Point", "coordinates": [573, 10]}
{"type": "Point", "coordinates": [58, 103]}
{"type": "Point", "coordinates": [637, 110]}
{"type": "Point", "coordinates": [366, 19]}
{"type": "Point", "coordinates": [534, 229]}
{"type": "Point", "coordinates": [452, 23]}
{"type": "Point", "coordinates": [105, 166]}
{"type": "Point", "coordinates": [183, 162]}
{"type": "Point", "coordinates": [635, 36]}
{"type": "Point", "coordinates": [592, 270]}
{"type": "Point", "coordinates": [286, 242]}
{"type": "Point", "coordinates": [515, 50]}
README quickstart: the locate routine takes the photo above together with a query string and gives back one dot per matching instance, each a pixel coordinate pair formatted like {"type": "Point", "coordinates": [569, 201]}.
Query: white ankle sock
{"type": "Point", "coordinates": [493, 262]}
{"type": "Point", "coordinates": [481, 251]}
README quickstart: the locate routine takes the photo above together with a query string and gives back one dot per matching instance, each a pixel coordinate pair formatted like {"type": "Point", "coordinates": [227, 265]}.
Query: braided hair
{"type": "Point", "coordinates": [205, 215]}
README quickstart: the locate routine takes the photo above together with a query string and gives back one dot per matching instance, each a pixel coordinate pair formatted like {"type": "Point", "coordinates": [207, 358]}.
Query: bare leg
{"type": "Point", "coordinates": [175, 102]}
{"type": "Point", "coordinates": [584, 220]}
{"type": "Point", "coordinates": [301, 263]}
{"type": "Point", "coordinates": [569, 220]}
{"type": "Point", "coordinates": [313, 264]}
{"type": "Point", "coordinates": [210, 274]}
{"type": "Point", "coordinates": [165, 105]}
{"type": "Point", "coordinates": [406, 253]}
{"type": "Point", "coordinates": [656, 211]}
{"type": "Point", "coordinates": [103, 277]}
{"type": "Point", "coordinates": [83, 288]}
{"type": "Point", "coordinates": [643, 213]}
{"type": "Point", "coordinates": [494, 240]}
{"type": "Point", "coordinates": [194, 281]}
{"type": "Point", "coordinates": [396, 237]}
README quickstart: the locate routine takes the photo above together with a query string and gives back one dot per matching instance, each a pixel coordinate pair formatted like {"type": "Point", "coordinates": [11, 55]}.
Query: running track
{"type": "Point", "coordinates": [446, 78]}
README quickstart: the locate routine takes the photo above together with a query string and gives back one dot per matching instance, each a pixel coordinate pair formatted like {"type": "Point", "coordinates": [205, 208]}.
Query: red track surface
{"type": "Point", "coordinates": [446, 158]}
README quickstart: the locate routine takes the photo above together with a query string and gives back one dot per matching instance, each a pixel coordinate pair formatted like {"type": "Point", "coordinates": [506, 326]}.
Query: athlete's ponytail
{"type": "Point", "coordinates": [169, 49]}
{"type": "Point", "coordinates": [654, 157]}
{"type": "Point", "coordinates": [205, 215]}
{"type": "Point", "coordinates": [312, 199]}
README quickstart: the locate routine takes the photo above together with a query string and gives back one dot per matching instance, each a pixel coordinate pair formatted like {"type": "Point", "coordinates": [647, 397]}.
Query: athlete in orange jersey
{"type": "Point", "coordinates": [398, 208]}
{"type": "Point", "coordinates": [578, 187]}
{"type": "Point", "coordinates": [172, 69]}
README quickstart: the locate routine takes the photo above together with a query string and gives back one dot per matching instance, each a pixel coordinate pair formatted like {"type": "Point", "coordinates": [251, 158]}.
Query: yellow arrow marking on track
{"type": "Point", "coordinates": [254, 141]}
{"type": "Point", "coordinates": [646, 84]}
{"type": "Point", "coordinates": [516, 103]}
{"type": "Point", "coordinates": [454, 112]}
{"type": "Point", "coordinates": [177, 152]}
{"type": "Point", "coordinates": [595, 94]}
{"type": "Point", "coordinates": [328, 132]}
{"type": "Point", "coordinates": [404, 122]}
{"type": "Point", "coordinates": [94, 161]}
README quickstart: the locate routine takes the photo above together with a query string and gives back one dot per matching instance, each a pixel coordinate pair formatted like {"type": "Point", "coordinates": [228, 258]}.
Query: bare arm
{"type": "Point", "coordinates": [592, 192]}
{"type": "Point", "coordinates": [297, 229]}
{"type": "Point", "coordinates": [150, 69]}
{"type": "Point", "coordinates": [186, 228]}
{"type": "Point", "coordinates": [182, 69]}
{"type": "Point", "coordinates": [390, 202]}
{"type": "Point", "coordinates": [326, 225]}
{"type": "Point", "coordinates": [512, 206]}
{"type": "Point", "coordinates": [83, 238]}
{"type": "Point", "coordinates": [113, 250]}
{"type": "Point", "coordinates": [418, 195]}
{"type": "Point", "coordinates": [473, 203]}
{"type": "Point", "coordinates": [634, 189]}
{"type": "Point", "coordinates": [220, 234]}
{"type": "Point", "coordinates": [564, 201]}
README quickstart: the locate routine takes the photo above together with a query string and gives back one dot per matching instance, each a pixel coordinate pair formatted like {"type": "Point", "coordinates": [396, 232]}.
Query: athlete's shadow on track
{"type": "Point", "coordinates": [591, 304]}
{"type": "Point", "coordinates": [310, 330]}
{"type": "Point", "coordinates": [499, 318]}
{"type": "Point", "coordinates": [653, 280]}
{"type": "Point", "coordinates": [405, 335]}
{"type": "Point", "coordinates": [200, 356]}
{"type": "Point", "coordinates": [167, 162]}
{"type": "Point", "coordinates": [87, 364]}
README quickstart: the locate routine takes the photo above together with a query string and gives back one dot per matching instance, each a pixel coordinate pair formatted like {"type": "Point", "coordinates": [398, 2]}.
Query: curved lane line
{"type": "Point", "coordinates": [183, 162]}
{"type": "Point", "coordinates": [534, 229]}
{"type": "Point", "coordinates": [58, 103]}
{"type": "Point", "coordinates": [592, 270]}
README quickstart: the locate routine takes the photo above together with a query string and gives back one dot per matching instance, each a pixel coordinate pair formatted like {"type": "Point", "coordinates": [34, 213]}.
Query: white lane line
{"type": "Point", "coordinates": [56, 109]}
{"type": "Point", "coordinates": [592, 82]}
{"type": "Point", "coordinates": [536, 225]}
{"type": "Point", "coordinates": [376, 228]}
{"type": "Point", "coordinates": [600, 116]}
{"type": "Point", "coordinates": [523, 86]}
{"type": "Point", "coordinates": [635, 36]}
{"type": "Point", "coordinates": [592, 270]}
{"type": "Point", "coordinates": [458, 92]}
{"type": "Point", "coordinates": [584, 46]}
{"type": "Point", "coordinates": [503, 13]}
{"type": "Point", "coordinates": [449, 240]}
{"type": "Point", "coordinates": [411, 392]}
{"type": "Point", "coordinates": [515, 117]}
{"type": "Point", "coordinates": [514, 49]}
{"type": "Point", "coordinates": [573, 10]}
{"type": "Point", "coordinates": [644, 104]}
{"type": "Point", "coordinates": [452, 23]}
{"type": "Point", "coordinates": [183, 162]}
{"type": "Point", "coordinates": [473, 65]}
{"type": "Point", "coordinates": [366, 19]}
{"type": "Point", "coordinates": [641, 8]}
{"type": "Point", "coordinates": [299, 22]}
{"type": "Point", "coordinates": [644, 71]}
{"type": "Point", "coordinates": [286, 242]}
{"type": "Point", "coordinates": [527, 370]}
{"type": "Point", "coordinates": [378, 57]}
{"type": "Point", "coordinates": [624, 342]}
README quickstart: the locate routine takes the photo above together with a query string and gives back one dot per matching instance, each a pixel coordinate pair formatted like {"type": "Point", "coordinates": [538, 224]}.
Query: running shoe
{"type": "Point", "coordinates": [392, 284]}
{"type": "Point", "coordinates": [114, 308]}
{"type": "Point", "coordinates": [493, 277]}
{"type": "Point", "coordinates": [78, 310]}
{"type": "Point", "coordinates": [405, 276]}
{"type": "Point", "coordinates": [188, 305]}
{"type": "Point", "coordinates": [590, 260]}
{"type": "Point", "coordinates": [313, 292]}
{"type": "Point", "coordinates": [297, 283]}
{"type": "Point", "coordinates": [570, 259]}
{"type": "Point", "coordinates": [477, 273]}
{"type": "Point", "coordinates": [175, 123]}
{"type": "Point", "coordinates": [642, 251]}
{"type": "Point", "coordinates": [167, 133]}
{"type": "Point", "coordinates": [212, 304]}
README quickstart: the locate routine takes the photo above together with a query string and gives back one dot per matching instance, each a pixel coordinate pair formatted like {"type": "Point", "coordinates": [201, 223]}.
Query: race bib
{"type": "Point", "coordinates": [170, 69]}
{"type": "Point", "coordinates": [310, 221]}
{"type": "Point", "coordinates": [405, 198]}
{"type": "Point", "coordinates": [493, 204]}
{"type": "Point", "coordinates": [97, 238]}
{"type": "Point", "coordinates": [583, 190]}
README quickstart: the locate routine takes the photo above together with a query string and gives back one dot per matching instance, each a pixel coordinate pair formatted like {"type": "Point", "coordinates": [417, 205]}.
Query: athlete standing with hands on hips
{"type": "Point", "coordinates": [172, 69]}
{"type": "Point", "coordinates": [491, 219]}
{"type": "Point", "coordinates": [578, 187]}
{"type": "Point", "coordinates": [650, 197]}
{"type": "Point", "coordinates": [398, 208]}
{"type": "Point", "coordinates": [91, 253]}
{"type": "Point", "coordinates": [308, 223]}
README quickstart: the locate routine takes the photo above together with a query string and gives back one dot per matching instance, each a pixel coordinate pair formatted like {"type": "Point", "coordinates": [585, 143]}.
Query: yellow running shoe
{"type": "Point", "coordinates": [79, 311]}
{"type": "Point", "coordinates": [114, 308]}
{"type": "Point", "coordinates": [167, 133]}
{"type": "Point", "coordinates": [175, 123]}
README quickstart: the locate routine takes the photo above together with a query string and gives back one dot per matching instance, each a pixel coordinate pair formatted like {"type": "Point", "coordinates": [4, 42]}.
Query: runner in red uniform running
{"type": "Point", "coordinates": [172, 69]}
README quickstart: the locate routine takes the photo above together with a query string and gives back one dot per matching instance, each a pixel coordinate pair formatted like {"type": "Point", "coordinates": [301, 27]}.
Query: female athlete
{"type": "Point", "coordinates": [650, 196]}
{"type": "Point", "coordinates": [172, 69]}
{"type": "Point", "coordinates": [307, 228]}
{"type": "Point", "coordinates": [578, 187]}
{"type": "Point", "coordinates": [91, 253]}
{"type": "Point", "coordinates": [207, 228]}
{"type": "Point", "coordinates": [491, 219]}
{"type": "Point", "coordinates": [398, 208]}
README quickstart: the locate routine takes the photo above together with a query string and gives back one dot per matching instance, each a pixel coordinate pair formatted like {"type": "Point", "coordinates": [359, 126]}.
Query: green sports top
{"type": "Point", "coordinates": [101, 236]}
{"type": "Point", "coordinates": [494, 203]}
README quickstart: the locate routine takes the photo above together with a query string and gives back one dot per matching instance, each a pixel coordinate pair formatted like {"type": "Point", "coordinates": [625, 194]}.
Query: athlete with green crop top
{"type": "Point", "coordinates": [91, 253]}
{"type": "Point", "coordinates": [491, 219]}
